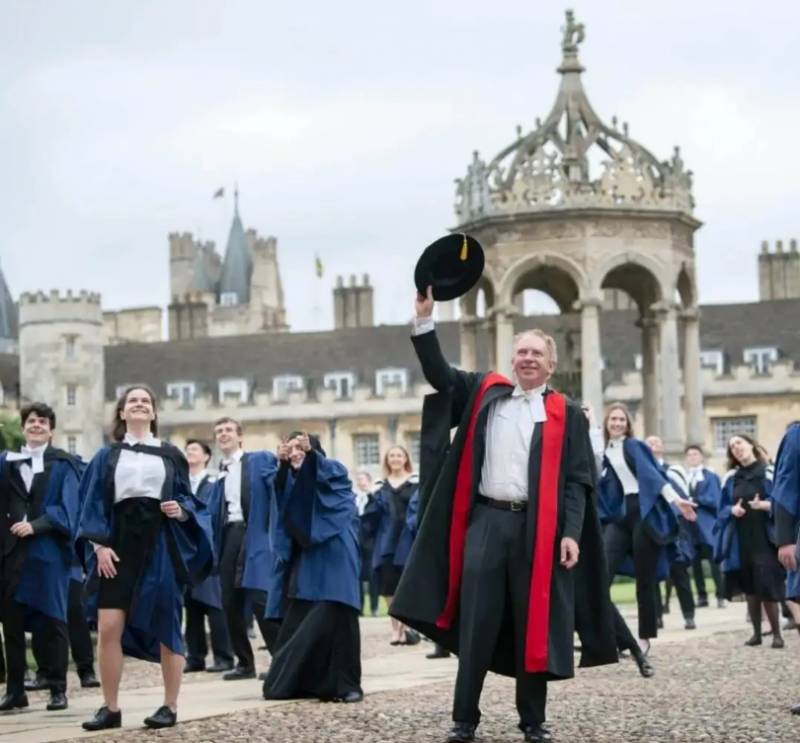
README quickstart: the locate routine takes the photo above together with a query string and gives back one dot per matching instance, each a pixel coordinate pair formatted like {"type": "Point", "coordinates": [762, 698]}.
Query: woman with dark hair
{"type": "Point", "coordinates": [146, 537]}
{"type": "Point", "coordinates": [315, 589]}
{"type": "Point", "coordinates": [636, 500]}
{"type": "Point", "coordinates": [392, 516]}
{"type": "Point", "coordinates": [745, 533]}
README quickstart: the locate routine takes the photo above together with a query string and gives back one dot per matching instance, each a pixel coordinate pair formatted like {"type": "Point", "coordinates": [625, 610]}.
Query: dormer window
{"type": "Point", "coordinates": [284, 384]}
{"type": "Point", "coordinates": [234, 386]}
{"type": "Point", "coordinates": [760, 358]}
{"type": "Point", "coordinates": [341, 382]}
{"type": "Point", "coordinates": [183, 392]}
{"type": "Point", "coordinates": [713, 360]}
{"type": "Point", "coordinates": [228, 299]}
{"type": "Point", "coordinates": [391, 377]}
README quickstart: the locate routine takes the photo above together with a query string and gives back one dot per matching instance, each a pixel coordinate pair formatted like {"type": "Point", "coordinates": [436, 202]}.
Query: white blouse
{"type": "Point", "coordinates": [138, 474]}
{"type": "Point", "coordinates": [615, 453]}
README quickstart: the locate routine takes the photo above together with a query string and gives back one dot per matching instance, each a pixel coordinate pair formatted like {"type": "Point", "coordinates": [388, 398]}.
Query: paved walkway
{"type": "Point", "coordinates": [207, 695]}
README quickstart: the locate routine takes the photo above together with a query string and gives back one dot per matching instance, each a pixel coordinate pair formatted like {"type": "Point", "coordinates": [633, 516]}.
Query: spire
{"type": "Point", "coordinates": [237, 266]}
{"type": "Point", "coordinates": [8, 312]}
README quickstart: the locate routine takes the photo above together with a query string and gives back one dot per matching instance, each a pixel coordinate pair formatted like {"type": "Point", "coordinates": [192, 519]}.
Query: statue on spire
{"type": "Point", "coordinates": [574, 34]}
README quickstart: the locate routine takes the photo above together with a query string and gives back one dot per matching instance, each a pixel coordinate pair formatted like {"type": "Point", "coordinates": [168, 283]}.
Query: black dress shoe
{"type": "Point", "coordinates": [537, 734]}
{"type": "Point", "coordinates": [753, 641]}
{"type": "Point", "coordinates": [702, 603]}
{"type": "Point", "coordinates": [239, 674]}
{"type": "Point", "coordinates": [351, 697]}
{"type": "Point", "coordinates": [163, 717]}
{"type": "Point", "coordinates": [645, 666]}
{"type": "Point", "coordinates": [440, 652]}
{"type": "Point", "coordinates": [36, 683]}
{"type": "Point", "coordinates": [194, 667]}
{"type": "Point", "coordinates": [462, 732]}
{"type": "Point", "coordinates": [89, 680]}
{"type": "Point", "coordinates": [104, 719]}
{"type": "Point", "coordinates": [660, 623]}
{"type": "Point", "coordinates": [219, 668]}
{"type": "Point", "coordinates": [795, 710]}
{"type": "Point", "coordinates": [58, 700]}
{"type": "Point", "coordinates": [412, 638]}
{"type": "Point", "coordinates": [13, 701]}
{"type": "Point", "coordinates": [689, 624]}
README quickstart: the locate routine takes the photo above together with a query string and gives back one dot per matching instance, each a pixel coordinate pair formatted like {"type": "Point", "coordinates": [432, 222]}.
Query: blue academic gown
{"type": "Point", "coordinates": [259, 469]}
{"type": "Point", "coordinates": [786, 500]}
{"type": "Point", "coordinates": [314, 531]}
{"type": "Point", "coordinates": [706, 495]}
{"type": "Point", "coordinates": [726, 537]}
{"type": "Point", "coordinates": [659, 517]}
{"type": "Point", "coordinates": [44, 582]}
{"type": "Point", "coordinates": [208, 591]}
{"type": "Point", "coordinates": [183, 554]}
{"type": "Point", "coordinates": [377, 521]}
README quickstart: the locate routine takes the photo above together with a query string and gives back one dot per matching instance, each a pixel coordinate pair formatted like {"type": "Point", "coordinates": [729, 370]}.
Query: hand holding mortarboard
{"type": "Point", "coordinates": [451, 266]}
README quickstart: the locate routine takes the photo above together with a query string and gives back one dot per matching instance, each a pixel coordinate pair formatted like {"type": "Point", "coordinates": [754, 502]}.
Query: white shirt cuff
{"type": "Point", "coordinates": [423, 325]}
{"type": "Point", "coordinates": [596, 437]}
{"type": "Point", "coordinates": [669, 494]}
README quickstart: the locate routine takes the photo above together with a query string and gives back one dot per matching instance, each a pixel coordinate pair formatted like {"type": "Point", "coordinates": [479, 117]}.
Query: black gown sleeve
{"type": "Point", "coordinates": [578, 472]}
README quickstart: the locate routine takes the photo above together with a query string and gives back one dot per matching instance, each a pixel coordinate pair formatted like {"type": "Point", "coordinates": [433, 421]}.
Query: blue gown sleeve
{"type": "Point", "coordinates": [94, 521]}
{"type": "Point", "coordinates": [62, 511]}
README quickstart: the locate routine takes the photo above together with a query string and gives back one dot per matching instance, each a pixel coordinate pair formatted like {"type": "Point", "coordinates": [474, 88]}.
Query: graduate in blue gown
{"type": "Point", "coordinates": [38, 515]}
{"type": "Point", "coordinates": [315, 589]}
{"type": "Point", "coordinates": [146, 537]}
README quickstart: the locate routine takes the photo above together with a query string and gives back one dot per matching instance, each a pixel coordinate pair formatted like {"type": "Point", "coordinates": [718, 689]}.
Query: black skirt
{"type": "Point", "coordinates": [318, 652]}
{"type": "Point", "coordinates": [137, 523]}
{"type": "Point", "coordinates": [389, 577]}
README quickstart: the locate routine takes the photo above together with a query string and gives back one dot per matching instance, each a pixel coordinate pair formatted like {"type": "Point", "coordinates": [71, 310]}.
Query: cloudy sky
{"type": "Point", "coordinates": [344, 124]}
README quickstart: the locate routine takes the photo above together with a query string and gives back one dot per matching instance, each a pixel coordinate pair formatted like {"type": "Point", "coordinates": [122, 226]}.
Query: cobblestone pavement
{"type": "Point", "coordinates": [711, 689]}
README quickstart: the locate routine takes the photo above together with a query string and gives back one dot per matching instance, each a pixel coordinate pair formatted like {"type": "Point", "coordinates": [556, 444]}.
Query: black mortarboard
{"type": "Point", "coordinates": [452, 266]}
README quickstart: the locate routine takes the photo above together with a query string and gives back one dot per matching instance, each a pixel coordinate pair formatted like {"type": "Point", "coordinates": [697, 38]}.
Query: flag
{"type": "Point", "coordinates": [219, 193]}
{"type": "Point", "coordinates": [318, 266]}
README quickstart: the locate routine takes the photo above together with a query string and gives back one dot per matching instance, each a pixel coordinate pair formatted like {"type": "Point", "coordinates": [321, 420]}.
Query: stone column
{"type": "Point", "coordinates": [692, 392]}
{"type": "Point", "coordinates": [391, 426]}
{"type": "Point", "coordinates": [670, 397]}
{"type": "Point", "coordinates": [591, 356]}
{"type": "Point", "coordinates": [503, 321]}
{"type": "Point", "coordinates": [332, 435]}
{"type": "Point", "coordinates": [469, 344]}
{"type": "Point", "coordinates": [650, 407]}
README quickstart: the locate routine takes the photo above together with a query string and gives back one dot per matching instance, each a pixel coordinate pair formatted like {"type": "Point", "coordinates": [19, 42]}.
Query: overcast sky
{"type": "Point", "coordinates": [346, 122]}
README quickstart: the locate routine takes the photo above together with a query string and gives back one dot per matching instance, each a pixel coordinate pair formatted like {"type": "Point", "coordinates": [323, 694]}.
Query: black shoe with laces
{"type": "Point", "coordinates": [537, 734]}
{"type": "Point", "coordinates": [104, 719]}
{"type": "Point", "coordinates": [239, 674]}
{"type": "Point", "coordinates": [461, 732]}
{"type": "Point", "coordinates": [163, 717]}
{"type": "Point", "coordinates": [89, 680]}
{"type": "Point", "coordinates": [58, 700]}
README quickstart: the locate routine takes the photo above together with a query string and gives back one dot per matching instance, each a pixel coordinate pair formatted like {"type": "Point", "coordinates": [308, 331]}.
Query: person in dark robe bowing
{"type": "Point", "coordinates": [786, 500]}
{"type": "Point", "coordinates": [315, 590]}
{"type": "Point", "coordinates": [146, 537]}
{"type": "Point", "coordinates": [39, 501]}
{"type": "Point", "coordinates": [239, 505]}
{"type": "Point", "coordinates": [504, 522]}
{"type": "Point", "coordinates": [205, 599]}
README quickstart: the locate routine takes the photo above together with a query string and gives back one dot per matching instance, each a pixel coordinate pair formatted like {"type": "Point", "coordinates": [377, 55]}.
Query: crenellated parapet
{"type": "Point", "coordinates": [41, 307]}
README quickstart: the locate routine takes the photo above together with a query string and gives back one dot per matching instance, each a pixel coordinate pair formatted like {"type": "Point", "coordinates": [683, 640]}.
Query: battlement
{"type": "Point", "coordinates": [765, 251]}
{"type": "Point", "coordinates": [39, 307]}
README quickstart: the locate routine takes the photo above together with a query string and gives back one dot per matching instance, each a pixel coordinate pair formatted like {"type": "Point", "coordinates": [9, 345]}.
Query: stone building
{"type": "Point", "coordinates": [238, 294]}
{"type": "Point", "coordinates": [779, 271]}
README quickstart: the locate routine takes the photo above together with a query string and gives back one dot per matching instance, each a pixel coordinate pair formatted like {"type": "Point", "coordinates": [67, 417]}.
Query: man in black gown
{"type": "Point", "coordinates": [506, 515]}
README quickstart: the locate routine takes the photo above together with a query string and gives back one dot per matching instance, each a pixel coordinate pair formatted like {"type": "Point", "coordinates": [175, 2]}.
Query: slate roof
{"type": "Point", "coordinates": [258, 358]}
{"type": "Point", "coordinates": [9, 376]}
{"type": "Point", "coordinates": [8, 311]}
{"type": "Point", "coordinates": [237, 266]}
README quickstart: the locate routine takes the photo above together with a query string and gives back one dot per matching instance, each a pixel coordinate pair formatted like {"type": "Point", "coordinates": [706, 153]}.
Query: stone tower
{"type": "Point", "coordinates": [353, 304]}
{"type": "Point", "coordinates": [779, 272]}
{"type": "Point", "coordinates": [61, 363]}
{"type": "Point", "coordinates": [574, 208]}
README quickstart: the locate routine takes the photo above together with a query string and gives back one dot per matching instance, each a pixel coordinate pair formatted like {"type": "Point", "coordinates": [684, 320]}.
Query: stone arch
{"type": "Point", "coordinates": [471, 302]}
{"type": "Point", "coordinates": [556, 275]}
{"type": "Point", "coordinates": [636, 275]}
{"type": "Point", "coordinates": [685, 287]}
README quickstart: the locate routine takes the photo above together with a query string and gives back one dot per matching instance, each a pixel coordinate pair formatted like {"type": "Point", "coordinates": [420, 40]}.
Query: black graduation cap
{"type": "Point", "coordinates": [452, 266]}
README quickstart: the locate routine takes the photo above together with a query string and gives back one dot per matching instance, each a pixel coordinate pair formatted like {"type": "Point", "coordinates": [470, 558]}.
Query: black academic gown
{"type": "Point", "coordinates": [579, 598]}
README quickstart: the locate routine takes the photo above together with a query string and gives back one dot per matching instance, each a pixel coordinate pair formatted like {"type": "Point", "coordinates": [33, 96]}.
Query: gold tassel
{"type": "Point", "coordinates": [464, 249]}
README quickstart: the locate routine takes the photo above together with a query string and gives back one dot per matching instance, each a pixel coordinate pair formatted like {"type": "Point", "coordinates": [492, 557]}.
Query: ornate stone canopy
{"type": "Point", "coordinates": [572, 159]}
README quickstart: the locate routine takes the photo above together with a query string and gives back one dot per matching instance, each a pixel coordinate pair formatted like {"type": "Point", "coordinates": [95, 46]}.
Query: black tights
{"type": "Point", "coordinates": [754, 604]}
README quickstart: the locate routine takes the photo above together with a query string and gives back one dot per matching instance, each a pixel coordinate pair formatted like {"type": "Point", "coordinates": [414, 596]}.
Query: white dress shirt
{"type": "Point", "coordinates": [138, 474]}
{"type": "Point", "coordinates": [616, 458]}
{"type": "Point", "coordinates": [195, 480]}
{"type": "Point", "coordinates": [32, 463]}
{"type": "Point", "coordinates": [233, 485]}
{"type": "Point", "coordinates": [361, 499]}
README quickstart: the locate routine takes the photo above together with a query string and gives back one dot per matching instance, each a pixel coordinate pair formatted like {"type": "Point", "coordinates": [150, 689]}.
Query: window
{"type": "Point", "coordinates": [69, 346]}
{"type": "Point", "coordinates": [228, 299]}
{"type": "Point", "coordinates": [72, 395]}
{"type": "Point", "coordinates": [284, 384]}
{"type": "Point", "coordinates": [760, 358]}
{"type": "Point", "coordinates": [385, 377]}
{"type": "Point", "coordinates": [724, 428]}
{"type": "Point", "coordinates": [183, 392]}
{"type": "Point", "coordinates": [367, 449]}
{"type": "Point", "coordinates": [234, 386]}
{"type": "Point", "coordinates": [342, 382]}
{"type": "Point", "coordinates": [413, 446]}
{"type": "Point", "coordinates": [638, 362]}
{"type": "Point", "coordinates": [72, 444]}
{"type": "Point", "coordinates": [713, 360]}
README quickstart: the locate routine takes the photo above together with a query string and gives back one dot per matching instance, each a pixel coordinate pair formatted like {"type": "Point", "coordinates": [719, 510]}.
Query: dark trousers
{"type": "Point", "coordinates": [371, 588]}
{"type": "Point", "coordinates": [80, 639]}
{"type": "Point", "coordinates": [495, 574]}
{"type": "Point", "coordinates": [704, 552]}
{"type": "Point", "coordinates": [52, 648]}
{"type": "Point", "coordinates": [196, 644]}
{"type": "Point", "coordinates": [630, 537]}
{"type": "Point", "coordinates": [679, 578]}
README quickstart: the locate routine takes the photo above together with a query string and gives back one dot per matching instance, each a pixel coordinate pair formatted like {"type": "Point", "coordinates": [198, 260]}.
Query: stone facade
{"type": "Point", "coordinates": [61, 362]}
{"type": "Point", "coordinates": [134, 325]}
